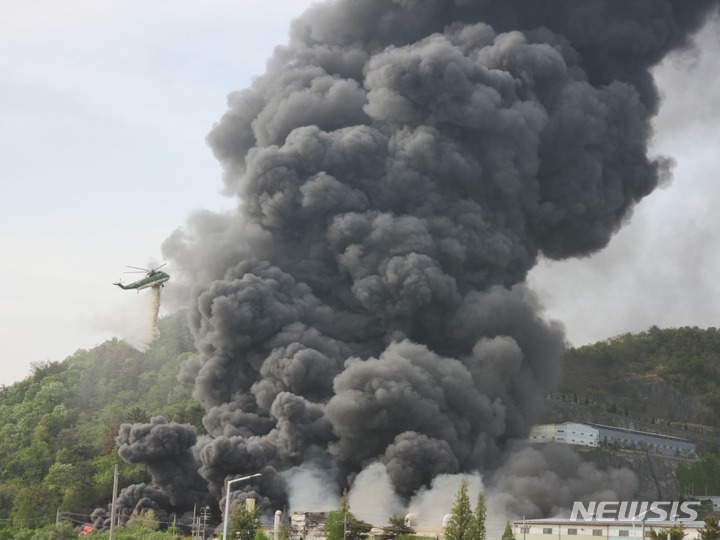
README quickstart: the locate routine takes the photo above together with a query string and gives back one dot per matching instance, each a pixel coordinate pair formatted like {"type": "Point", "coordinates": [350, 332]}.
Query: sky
{"type": "Point", "coordinates": [104, 109]}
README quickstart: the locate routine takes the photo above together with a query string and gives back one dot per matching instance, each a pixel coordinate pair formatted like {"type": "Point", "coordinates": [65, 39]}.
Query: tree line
{"type": "Point", "coordinates": [687, 359]}
{"type": "Point", "coordinates": [58, 427]}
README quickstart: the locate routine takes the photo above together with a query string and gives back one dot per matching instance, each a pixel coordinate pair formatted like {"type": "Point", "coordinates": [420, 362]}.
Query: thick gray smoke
{"type": "Point", "coordinates": [545, 482]}
{"type": "Point", "coordinates": [400, 167]}
{"type": "Point", "coordinates": [166, 448]}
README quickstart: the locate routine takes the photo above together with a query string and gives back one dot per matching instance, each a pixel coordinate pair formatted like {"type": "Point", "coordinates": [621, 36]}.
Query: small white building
{"type": "Point", "coordinates": [567, 433]}
{"type": "Point", "coordinates": [565, 529]}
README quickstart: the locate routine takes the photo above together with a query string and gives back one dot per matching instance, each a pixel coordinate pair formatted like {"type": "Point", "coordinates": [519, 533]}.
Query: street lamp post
{"type": "Point", "coordinates": [227, 500]}
{"type": "Point", "coordinates": [640, 515]}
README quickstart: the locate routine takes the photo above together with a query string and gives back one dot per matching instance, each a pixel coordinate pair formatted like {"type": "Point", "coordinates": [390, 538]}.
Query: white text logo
{"type": "Point", "coordinates": [635, 511]}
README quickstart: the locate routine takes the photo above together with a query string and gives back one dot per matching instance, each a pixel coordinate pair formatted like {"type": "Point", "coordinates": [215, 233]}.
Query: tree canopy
{"type": "Point", "coordinates": [508, 532]}
{"type": "Point", "coordinates": [397, 527]}
{"type": "Point", "coordinates": [676, 532]}
{"type": "Point", "coordinates": [685, 359]}
{"type": "Point", "coordinates": [463, 523]}
{"type": "Point", "coordinates": [244, 523]}
{"type": "Point", "coordinates": [342, 524]}
{"type": "Point", "coordinates": [57, 437]}
{"type": "Point", "coordinates": [711, 530]}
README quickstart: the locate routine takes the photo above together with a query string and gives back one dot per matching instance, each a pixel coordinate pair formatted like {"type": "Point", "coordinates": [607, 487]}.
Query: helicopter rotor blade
{"type": "Point", "coordinates": [158, 267]}
{"type": "Point", "coordinates": [138, 268]}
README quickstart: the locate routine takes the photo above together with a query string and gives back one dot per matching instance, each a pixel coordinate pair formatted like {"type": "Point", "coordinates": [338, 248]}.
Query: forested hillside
{"type": "Point", "coordinates": [665, 381]}
{"type": "Point", "coordinates": [58, 427]}
{"type": "Point", "coordinates": [660, 376]}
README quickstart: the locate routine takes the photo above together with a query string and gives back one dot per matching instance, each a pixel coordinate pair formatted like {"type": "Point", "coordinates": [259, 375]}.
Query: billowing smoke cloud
{"type": "Point", "coordinates": [545, 482]}
{"type": "Point", "coordinates": [432, 503]}
{"type": "Point", "coordinates": [167, 450]}
{"type": "Point", "coordinates": [373, 498]}
{"type": "Point", "coordinates": [400, 167]}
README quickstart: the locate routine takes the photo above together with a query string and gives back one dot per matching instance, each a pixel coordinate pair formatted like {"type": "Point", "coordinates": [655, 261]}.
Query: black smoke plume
{"type": "Point", "coordinates": [400, 167]}
{"type": "Point", "coordinates": [166, 448]}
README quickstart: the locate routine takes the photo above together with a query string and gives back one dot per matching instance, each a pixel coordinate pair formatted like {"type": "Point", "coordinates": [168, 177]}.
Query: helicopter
{"type": "Point", "coordinates": [153, 278]}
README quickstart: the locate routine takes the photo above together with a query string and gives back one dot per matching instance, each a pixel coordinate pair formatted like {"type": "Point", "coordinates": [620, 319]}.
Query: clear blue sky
{"type": "Point", "coordinates": [104, 108]}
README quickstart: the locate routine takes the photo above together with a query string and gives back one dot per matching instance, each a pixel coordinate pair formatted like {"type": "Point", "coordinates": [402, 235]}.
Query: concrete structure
{"type": "Point", "coordinates": [305, 525]}
{"type": "Point", "coordinates": [589, 434]}
{"type": "Point", "coordinates": [564, 529]}
{"type": "Point", "coordinates": [311, 526]}
{"type": "Point", "coordinates": [567, 433]}
{"type": "Point", "coordinates": [653, 442]}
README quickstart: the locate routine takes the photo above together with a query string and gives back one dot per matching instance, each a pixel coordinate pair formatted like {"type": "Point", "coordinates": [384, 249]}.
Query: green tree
{"type": "Point", "coordinates": [334, 525]}
{"type": "Point", "coordinates": [57, 438]}
{"type": "Point", "coordinates": [342, 524]}
{"type": "Point", "coordinates": [700, 477]}
{"type": "Point", "coordinates": [32, 501]}
{"type": "Point", "coordinates": [676, 532]}
{"type": "Point", "coordinates": [463, 523]}
{"type": "Point", "coordinates": [122, 533]}
{"type": "Point", "coordinates": [711, 530]}
{"type": "Point", "coordinates": [244, 523]}
{"type": "Point", "coordinates": [136, 415]}
{"type": "Point", "coordinates": [66, 483]}
{"type": "Point", "coordinates": [508, 533]}
{"type": "Point", "coordinates": [62, 531]}
{"type": "Point", "coordinates": [480, 530]}
{"type": "Point", "coordinates": [397, 527]}
{"type": "Point", "coordinates": [143, 520]}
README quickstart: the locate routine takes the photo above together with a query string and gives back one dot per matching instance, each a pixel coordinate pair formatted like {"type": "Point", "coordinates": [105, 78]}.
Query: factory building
{"type": "Point", "coordinates": [567, 433]}
{"type": "Point", "coordinates": [653, 442]}
{"type": "Point", "coordinates": [593, 435]}
{"type": "Point", "coordinates": [559, 529]}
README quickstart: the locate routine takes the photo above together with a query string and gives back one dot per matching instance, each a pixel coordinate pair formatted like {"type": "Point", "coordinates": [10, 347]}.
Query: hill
{"type": "Point", "coordinates": [57, 436]}
{"type": "Point", "coordinates": [658, 376]}
{"type": "Point", "coordinates": [663, 381]}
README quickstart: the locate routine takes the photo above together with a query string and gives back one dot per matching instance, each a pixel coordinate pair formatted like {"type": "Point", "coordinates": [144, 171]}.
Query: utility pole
{"type": "Point", "coordinates": [205, 513]}
{"type": "Point", "coordinates": [116, 474]}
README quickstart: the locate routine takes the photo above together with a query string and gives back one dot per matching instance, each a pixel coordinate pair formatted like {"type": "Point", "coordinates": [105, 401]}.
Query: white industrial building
{"type": "Point", "coordinates": [565, 529]}
{"type": "Point", "coordinates": [598, 434]}
{"type": "Point", "coordinates": [652, 442]}
{"type": "Point", "coordinates": [567, 433]}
